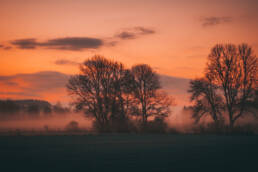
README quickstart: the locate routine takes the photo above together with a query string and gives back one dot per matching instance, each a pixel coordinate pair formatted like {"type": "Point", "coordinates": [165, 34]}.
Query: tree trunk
{"type": "Point", "coordinates": [231, 125]}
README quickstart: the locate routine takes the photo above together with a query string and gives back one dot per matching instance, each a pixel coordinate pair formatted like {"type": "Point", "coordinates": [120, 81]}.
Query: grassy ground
{"type": "Point", "coordinates": [129, 152]}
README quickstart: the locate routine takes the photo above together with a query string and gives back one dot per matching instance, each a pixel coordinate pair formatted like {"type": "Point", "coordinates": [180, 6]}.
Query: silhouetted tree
{"type": "Point", "coordinates": [234, 70]}
{"type": "Point", "coordinates": [206, 100]}
{"type": "Point", "coordinates": [8, 107]}
{"type": "Point", "coordinates": [72, 126]}
{"type": "Point", "coordinates": [158, 125]}
{"type": "Point", "coordinates": [101, 91]}
{"type": "Point", "coordinates": [151, 101]}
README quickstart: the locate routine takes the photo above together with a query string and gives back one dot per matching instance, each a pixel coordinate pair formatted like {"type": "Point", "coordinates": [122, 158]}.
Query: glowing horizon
{"type": "Point", "coordinates": [173, 37]}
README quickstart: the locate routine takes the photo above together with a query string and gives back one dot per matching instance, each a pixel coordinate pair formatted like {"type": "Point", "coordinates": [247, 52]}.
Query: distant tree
{"type": "Point", "coordinates": [207, 101]}
{"type": "Point", "coordinates": [9, 108]}
{"type": "Point", "coordinates": [72, 126]}
{"type": "Point", "coordinates": [158, 125]}
{"type": "Point", "coordinates": [101, 91]}
{"type": "Point", "coordinates": [148, 95]}
{"type": "Point", "coordinates": [234, 70]}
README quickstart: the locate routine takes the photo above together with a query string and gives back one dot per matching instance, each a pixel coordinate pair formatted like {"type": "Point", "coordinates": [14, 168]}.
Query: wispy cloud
{"type": "Point", "coordinates": [23, 94]}
{"type": "Point", "coordinates": [133, 33]}
{"type": "Point", "coordinates": [66, 62]}
{"type": "Point", "coordinates": [213, 21]}
{"type": "Point", "coordinates": [5, 47]}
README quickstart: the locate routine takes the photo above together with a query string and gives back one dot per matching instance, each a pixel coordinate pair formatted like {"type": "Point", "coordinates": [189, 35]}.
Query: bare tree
{"type": "Point", "coordinates": [234, 70]}
{"type": "Point", "coordinates": [151, 101]}
{"type": "Point", "coordinates": [207, 102]}
{"type": "Point", "coordinates": [100, 90]}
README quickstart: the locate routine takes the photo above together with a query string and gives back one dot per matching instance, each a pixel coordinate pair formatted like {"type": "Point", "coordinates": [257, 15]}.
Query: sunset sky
{"type": "Point", "coordinates": [43, 41]}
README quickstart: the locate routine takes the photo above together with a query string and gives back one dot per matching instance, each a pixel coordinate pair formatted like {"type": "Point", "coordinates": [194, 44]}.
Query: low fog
{"type": "Point", "coordinates": [76, 123]}
{"type": "Point", "coordinates": [39, 117]}
{"type": "Point", "coordinates": [55, 122]}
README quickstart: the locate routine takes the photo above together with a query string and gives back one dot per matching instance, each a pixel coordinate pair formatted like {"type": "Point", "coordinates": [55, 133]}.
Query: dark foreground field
{"type": "Point", "coordinates": [129, 153]}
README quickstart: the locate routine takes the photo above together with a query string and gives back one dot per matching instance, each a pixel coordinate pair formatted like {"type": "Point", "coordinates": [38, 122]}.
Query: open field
{"type": "Point", "coordinates": [129, 152]}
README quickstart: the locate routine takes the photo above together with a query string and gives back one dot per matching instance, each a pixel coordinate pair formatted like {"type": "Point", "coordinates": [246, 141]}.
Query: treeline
{"type": "Point", "coordinates": [119, 99]}
{"type": "Point", "coordinates": [13, 109]}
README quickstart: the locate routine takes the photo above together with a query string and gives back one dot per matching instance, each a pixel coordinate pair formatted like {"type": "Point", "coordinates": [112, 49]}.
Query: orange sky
{"type": "Point", "coordinates": [173, 36]}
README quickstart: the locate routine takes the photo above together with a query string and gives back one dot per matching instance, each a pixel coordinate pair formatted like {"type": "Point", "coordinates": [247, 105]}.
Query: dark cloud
{"type": "Point", "coordinates": [133, 33]}
{"type": "Point", "coordinates": [212, 21]}
{"type": "Point", "coordinates": [66, 62]}
{"type": "Point", "coordinates": [1, 46]}
{"type": "Point", "coordinates": [25, 43]}
{"type": "Point", "coordinates": [73, 43]}
{"type": "Point", "coordinates": [68, 43]}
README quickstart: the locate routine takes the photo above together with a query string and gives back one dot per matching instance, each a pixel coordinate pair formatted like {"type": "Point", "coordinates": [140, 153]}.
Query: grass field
{"type": "Point", "coordinates": [129, 152]}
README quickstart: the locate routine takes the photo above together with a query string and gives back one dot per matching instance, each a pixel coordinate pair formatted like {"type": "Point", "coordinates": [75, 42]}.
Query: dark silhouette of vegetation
{"type": "Point", "coordinates": [229, 85]}
{"type": "Point", "coordinates": [158, 125]}
{"type": "Point", "coordinates": [111, 94]}
{"type": "Point", "coordinates": [100, 91]}
{"type": "Point", "coordinates": [8, 107]}
{"type": "Point", "coordinates": [72, 126]}
{"type": "Point", "coordinates": [206, 100]}
{"type": "Point", "coordinates": [150, 100]}
{"type": "Point", "coordinates": [28, 108]}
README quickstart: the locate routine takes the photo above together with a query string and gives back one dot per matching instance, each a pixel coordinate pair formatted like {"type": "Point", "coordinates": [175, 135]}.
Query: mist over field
{"type": "Point", "coordinates": [180, 121]}
{"type": "Point", "coordinates": [55, 122]}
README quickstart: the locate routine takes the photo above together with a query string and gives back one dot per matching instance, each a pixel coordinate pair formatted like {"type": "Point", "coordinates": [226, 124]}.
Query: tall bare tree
{"type": "Point", "coordinates": [151, 101]}
{"type": "Point", "coordinates": [234, 70]}
{"type": "Point", "coordinates": [100, 90]}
